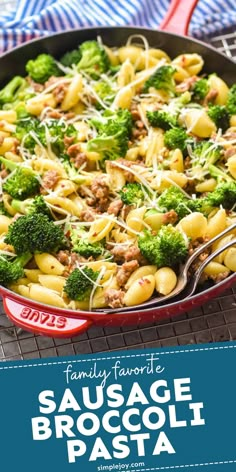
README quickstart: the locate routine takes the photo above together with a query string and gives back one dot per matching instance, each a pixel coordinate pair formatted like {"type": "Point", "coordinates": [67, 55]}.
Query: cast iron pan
{"type": "Point", "coordinates": [56, 322]}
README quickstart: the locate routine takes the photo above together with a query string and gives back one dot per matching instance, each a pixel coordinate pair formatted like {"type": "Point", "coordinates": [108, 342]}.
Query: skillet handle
{"type": "Point", "coordinates": [178, 16]}
{"type": "Point", "coordinates": [44, 323]}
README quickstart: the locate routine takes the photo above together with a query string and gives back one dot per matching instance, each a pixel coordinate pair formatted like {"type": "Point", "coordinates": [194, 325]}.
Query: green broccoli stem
{"type": "Point", "coordinates": [101, 144]}
{"type": "Point", "coordinates": [13, 269]}
{"type": "Point", "coordinates": [23, 259]}
{"type": "Point", "coordinates": [21, 206]}
{"type": "Point", "coordinates": [10, 165]}
{"type": "Point", "coordinates": [7, 94]}
{"type": "Point", "coordinates": [219, 174]}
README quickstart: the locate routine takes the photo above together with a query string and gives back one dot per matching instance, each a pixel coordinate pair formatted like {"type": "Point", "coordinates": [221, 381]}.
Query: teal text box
{"type": "Point", "coordinates": [131, 411]}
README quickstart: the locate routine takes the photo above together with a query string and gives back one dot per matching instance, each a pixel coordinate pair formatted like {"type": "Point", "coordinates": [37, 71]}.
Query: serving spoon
{"type": "Point", "coordinates": [184, 280]}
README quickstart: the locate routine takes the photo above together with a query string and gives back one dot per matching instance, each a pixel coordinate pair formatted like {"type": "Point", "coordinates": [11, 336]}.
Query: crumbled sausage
{"type": "Point", "coordinates": [73, 150]}
{"type": "Point", "coordinates": [52, 80]}
{"type": "Point", "coordinates": [60, 91]}
{"type": "Point", "coordinates": [118, 253]}
{"type": "Point", "coordinates": [69, 115]}
{"type": "Point", "coordinates": [68, 140]}
{"type": "Point", "coordinates": [139, 124]}
{"type": "Point", "coordinates": [229, 152]}
{"type": "Point", "coordinates": [125, 254]}
{"type": "Point", "coordinates": [3, 173]}
{"type": "Point", "coordinates": [114, 298]}
{"type": "Point", "coordinates": [55, 114]}
{"type": "Point", "coordinates": [212, 94]}
{"type": "Point", "coordinates": [133, 253]}
{"type": "Point", "coordinates": [134, 111]}
{"type": "Point", "coordinates": [79, 160]}
{"type": "Point", "coordinates": [139, 133]}
{"type": "Point", "coordinates": [69, 260]}
{"type": "Point", "coordinates": [186, 84]}
{"type": "Point", "coordinates": [204, 254]}
{"type": "Point", "coordinates": [49, 180]}
{"type": "Point", "coordinates": [125, 271]}
{"type": "Point", "coordinates": [115, 207]}
{"type": "Point", "coordinates": [100, 189]}
{"type": "Point", "coordinates": [63, 257]}
{"type": "Point", "coordinates": [88, 215]}
{"type": "Point", "coordinates": [219, 277]}
{"type": "Point", "coordinates": [35, 86]}
{"type": "Point", "coordinates": [170, 217]}
{"type": "Point", "coordinates": [76, 156]}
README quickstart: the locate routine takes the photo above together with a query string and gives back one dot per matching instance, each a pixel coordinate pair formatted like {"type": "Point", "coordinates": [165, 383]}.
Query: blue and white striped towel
{"type": "Point", "coordinates": [34, 18]}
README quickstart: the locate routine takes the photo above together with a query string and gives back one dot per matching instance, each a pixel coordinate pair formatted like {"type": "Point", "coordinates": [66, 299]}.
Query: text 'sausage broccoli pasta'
{"type": "Point", "coordinates": [116, 163]}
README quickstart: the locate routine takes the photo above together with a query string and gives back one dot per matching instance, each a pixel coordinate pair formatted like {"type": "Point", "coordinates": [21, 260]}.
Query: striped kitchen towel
{"type": "Point", "coordinates": [33, 18]}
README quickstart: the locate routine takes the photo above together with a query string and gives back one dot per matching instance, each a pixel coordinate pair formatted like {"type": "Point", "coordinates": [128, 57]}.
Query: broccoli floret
{"type": "Point", "coordinates": [71, 57]}
{"type": "Point", "coordinates": [112, 121]}
{"type": "Point", "coordinates": [167, 248]}
{"type": "Point", "coordinates": [82, 246]}
{"type": "Point", "coordinates": [176, 138]}
{"type": "Point", "coordinates": [10, 92]}
{"type": "Point", "coordinates": [42, 67]}
{"type": "Point", "coordinates": [200, 89]}
{"type": "Point", "coordinates": [22, 184]}
{"type": "Point", "coordinates": [80, 283]}
{"type": "Point", "coordinates": [162, 119]}
{"type": "Point", "coordinates": [105, 92]}
{"type": "Point", "coordinates": [32, 205]}
{"type": "Point", "coordinates": [39, 205]}
{"type": "Point", "coordinates": [113, 135]}
{"type": "Point", "coordinates": [54, 129]}
{"type": "Point", "coordinates": [203, 155]}
{"type": "Point", "coordinates": [224, 194]}
{"type": "Point", "coordinates": [35, 233]}
{"type": "Point", "coordinates": [73, 172]}
{"type": "Point", "coordinates": [132, 193]}
{"type": "Point", "coordinates": [86, 249]}
{"type": "Point", "coordinates": [207, 153]}
{"type": "Point", "coordinates": [220, 115]}
{"type": "Point", "coordinates": [21, 112]}
{"type": "Point", "coordinates": [219, 175]}
{"type": "Point", "coordinates": [173, 199]}
{"type": "Point", "coordinates": [14, 95]}
{"type": "Point", "coordinates": [57, 130]}
{"type": "Point", "coordinates": [12, 269]}
{"type": "Point", "coordinates": [114, 69]}
{"type": "Point", "coordinates": [94, 59]}
{"type": "Point", "coordinates": [168, 117]}
{"type": "Point", "coordinates": [162, 79]}
{"type": "Point", "coordinates": [24, 127]}
{"type": "Point", "coordinates": [23, 181]}
{"type": "Point", "coordinates": [109, 147]}
{"type": "Point", "coordinates": [231, 102]}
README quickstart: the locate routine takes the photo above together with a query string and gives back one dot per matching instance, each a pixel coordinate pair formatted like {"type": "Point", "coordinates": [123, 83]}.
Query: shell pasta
{"type": "Point", "coordinates": [116, 163]}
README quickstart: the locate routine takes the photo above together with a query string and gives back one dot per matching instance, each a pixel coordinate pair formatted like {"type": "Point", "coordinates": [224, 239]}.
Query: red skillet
{"type": "Point", "coordinates": [56, 322]}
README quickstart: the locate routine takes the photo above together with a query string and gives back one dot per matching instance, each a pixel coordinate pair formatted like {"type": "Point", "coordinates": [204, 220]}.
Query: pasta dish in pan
{"type": "Point", "coordinates": [116, 163]}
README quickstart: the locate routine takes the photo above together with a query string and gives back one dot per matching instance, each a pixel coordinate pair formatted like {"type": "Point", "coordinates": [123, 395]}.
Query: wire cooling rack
{"type": "Point", "coordinates": [226, 43]}
{"type": "Point", "coordinates": [215, 321]}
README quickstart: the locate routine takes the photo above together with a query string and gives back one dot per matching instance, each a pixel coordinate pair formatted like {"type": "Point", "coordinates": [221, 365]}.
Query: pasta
{"type": "Point", "coordinates": [130, 157]}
